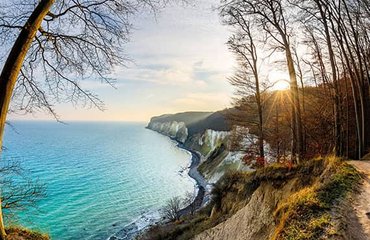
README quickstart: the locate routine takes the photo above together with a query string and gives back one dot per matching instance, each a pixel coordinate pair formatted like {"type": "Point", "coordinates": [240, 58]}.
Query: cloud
{"type": "Point", "coordinates": [171, 73]}
{"type": "Point", "coordinates": [203, 101]}
{"type": "Point", "coordinates": [184, 46]}
{"type": "Point", "coordinates": [180, 63]}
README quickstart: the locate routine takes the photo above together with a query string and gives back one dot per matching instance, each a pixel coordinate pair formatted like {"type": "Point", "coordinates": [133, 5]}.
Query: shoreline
{"type": "Point", "coordinates": [132, 230]}
{"type": "Point", "coordinates": [201, 182]}
{"type": "Point", "coordinates": [193, 173]}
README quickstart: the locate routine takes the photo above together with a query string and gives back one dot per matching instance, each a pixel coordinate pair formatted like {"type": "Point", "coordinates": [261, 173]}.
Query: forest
{"type": "Point", "coordinates": [324, 46]}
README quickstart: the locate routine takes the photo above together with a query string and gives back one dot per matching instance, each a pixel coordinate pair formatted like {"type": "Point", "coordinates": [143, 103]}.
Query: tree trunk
{"type": "Point", "coordinates": [277, 133]}
{"type": "Point", "coordinates": [363, 82]}
{"type": "Point", "coordinates": [296, 108]}
{"type": "Point", "coordinates": [13, 66]}
{"type": "Point", "coordinates": [336, 93]}
{"type": "Point", "coordinates": [348, 61]}
{"type": "Point", "coordinates": [261, 137]}
{"type": "Point", "coordinates": [366, 118]}
{"type": "Point", "coordinates": [293, 121]}
{"type": "Point", "coordinates": [260, 113]}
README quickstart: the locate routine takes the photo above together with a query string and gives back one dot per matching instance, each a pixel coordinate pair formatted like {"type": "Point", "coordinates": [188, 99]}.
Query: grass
{"type": "Point", "coordinates": [234, 190]}
{"type": "Point", "coordinates": [306, 214]}
{"type": "Point", "coordinates": [20, 233]}
{"type": "Point", "coordinates": [319, 185]}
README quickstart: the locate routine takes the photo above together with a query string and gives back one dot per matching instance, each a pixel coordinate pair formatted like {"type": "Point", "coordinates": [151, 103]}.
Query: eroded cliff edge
{"type": "Point", "coordinates": [280, 201]}
{"type": "Point", "coordinates": [206, 133]}
{"type": "Point", "coordinates": [307, 201]}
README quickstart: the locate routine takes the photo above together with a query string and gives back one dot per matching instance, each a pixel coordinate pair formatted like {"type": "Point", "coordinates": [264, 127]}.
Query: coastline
{"type": "Point", "coordinates": [132, 230]}
{"type": "Point", "coordinates": [201, 183]}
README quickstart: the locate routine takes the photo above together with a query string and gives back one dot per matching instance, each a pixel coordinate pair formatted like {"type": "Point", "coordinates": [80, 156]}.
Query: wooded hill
{"type": "Point", "coordinates": [197, 122]}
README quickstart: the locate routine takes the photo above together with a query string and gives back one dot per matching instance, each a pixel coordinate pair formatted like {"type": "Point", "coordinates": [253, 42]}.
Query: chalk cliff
{"type": "Point", "coordinates": [209, 135]}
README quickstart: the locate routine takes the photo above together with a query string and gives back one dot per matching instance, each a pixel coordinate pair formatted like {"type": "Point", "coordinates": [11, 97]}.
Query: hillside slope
{"type": "Point", "coordinates": [308, 201]}
{"type": "Point", "coordinates": [302, 203]}
{"type": "Point", "coordinates": [216, 121]}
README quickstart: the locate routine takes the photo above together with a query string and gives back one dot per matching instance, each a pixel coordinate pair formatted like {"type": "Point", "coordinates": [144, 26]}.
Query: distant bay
{"type": "Point", "coordinates": [99, 176]}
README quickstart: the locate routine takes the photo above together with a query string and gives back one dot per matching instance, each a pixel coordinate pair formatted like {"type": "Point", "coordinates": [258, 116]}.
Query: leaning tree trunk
{"type": "Point", "coordinates": [12, 67]}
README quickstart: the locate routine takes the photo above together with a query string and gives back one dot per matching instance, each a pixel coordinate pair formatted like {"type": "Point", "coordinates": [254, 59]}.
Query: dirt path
{"type": "Point", "coordinates": [361, 203]}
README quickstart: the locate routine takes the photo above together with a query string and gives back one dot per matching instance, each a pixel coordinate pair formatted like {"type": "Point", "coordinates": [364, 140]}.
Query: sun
{"type": "Point", "coordinates": [279, 80]}
{"type": "Point", "coordinates": [281, 85]}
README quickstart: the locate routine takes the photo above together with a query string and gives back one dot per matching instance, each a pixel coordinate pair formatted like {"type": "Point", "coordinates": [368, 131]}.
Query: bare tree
{"type": "Point", "coordinates": [315, 18]}
{"type": "Point", "coordinates": [53, 45]}
{"type": "Point", "coordinates": [18, 190]}
{"type": "Point", "coordinates": [337, 36]}
{"type": "Point", "coordinates": [247, 78]}
{"type": "Point", "coordinates": [341, 27]}
{"type": "Point", "coordinates": [172, 209]}
{"type": "Point", "coordinates": [270, 16]}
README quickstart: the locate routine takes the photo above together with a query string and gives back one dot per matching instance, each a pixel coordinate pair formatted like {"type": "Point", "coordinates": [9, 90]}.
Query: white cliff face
{"type": "Point", "coordinates": [232, 161]}
{"type": "Point", "coordinates": [229, 160]}
{"type": "Point", "coordinates": [212, 139]}
{"type": "Point", "coordinates": [176, 130]}
{"type": "Point", "coordinates": [208, 143]}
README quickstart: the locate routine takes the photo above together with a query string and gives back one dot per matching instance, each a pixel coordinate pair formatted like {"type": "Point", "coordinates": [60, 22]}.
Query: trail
{"type": "Point", "coordinates": [360, 221]}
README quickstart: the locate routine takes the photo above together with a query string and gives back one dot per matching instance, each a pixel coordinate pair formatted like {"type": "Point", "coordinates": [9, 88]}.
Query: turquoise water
{"type": "Point", "coordinates": [99, 177]}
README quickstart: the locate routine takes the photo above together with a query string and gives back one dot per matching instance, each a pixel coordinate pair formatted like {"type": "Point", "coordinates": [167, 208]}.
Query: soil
{"type": "Point", "coordinates": [359, 219]}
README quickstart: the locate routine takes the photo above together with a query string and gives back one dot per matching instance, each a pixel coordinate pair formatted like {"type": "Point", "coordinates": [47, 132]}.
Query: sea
{"type": "Point", "coordinates": [101, 179]}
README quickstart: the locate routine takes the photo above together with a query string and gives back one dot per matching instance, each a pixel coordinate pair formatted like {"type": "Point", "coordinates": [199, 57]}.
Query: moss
{"type": "Point", "coordinates": [344, 179]}
{"type": "Point", "coordinates": [20, 233]}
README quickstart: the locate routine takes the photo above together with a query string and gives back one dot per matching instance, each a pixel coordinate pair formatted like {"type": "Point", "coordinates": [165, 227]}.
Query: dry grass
{"type": "Point", "coordinates": [307, 213]}
{"type": "Point", "coordinates": [19, 233]}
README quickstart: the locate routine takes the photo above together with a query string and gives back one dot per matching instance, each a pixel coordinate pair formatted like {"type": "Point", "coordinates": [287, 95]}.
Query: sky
{"type": "Point", "coordinates": [180, 63]}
